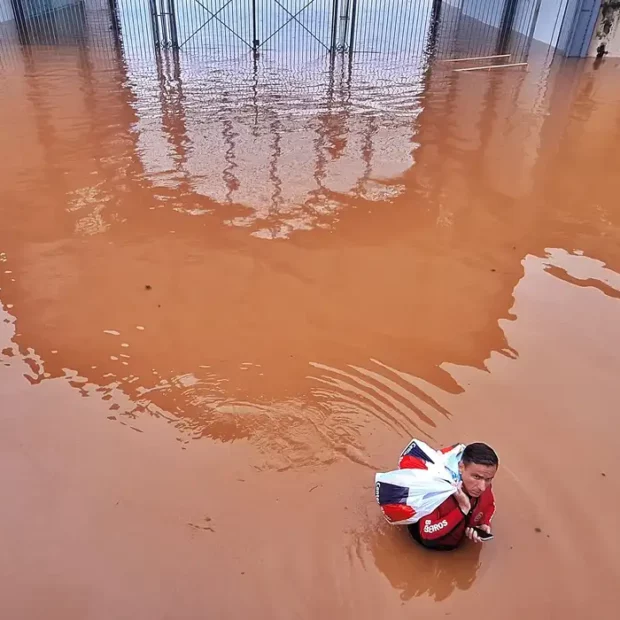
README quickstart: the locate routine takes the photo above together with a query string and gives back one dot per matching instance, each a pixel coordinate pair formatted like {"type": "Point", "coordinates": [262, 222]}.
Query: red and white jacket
{"type": "Point", "coordinates": [445, 527]}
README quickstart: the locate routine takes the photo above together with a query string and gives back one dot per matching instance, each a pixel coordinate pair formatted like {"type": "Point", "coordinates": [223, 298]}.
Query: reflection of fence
{"type": "Point", "coordinates": [301, 28]}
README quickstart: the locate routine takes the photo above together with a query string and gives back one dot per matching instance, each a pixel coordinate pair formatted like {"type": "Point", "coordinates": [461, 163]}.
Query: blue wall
{"type": "Point", "coordinates": [549, 23]}
{"type": "Point", "coordinates": [565, 24]}
{"type": "Point", "coordinates": [578, 26]}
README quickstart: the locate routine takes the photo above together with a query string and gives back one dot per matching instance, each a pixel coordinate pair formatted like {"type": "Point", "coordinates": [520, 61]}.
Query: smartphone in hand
{"type": "Point", "coordinates": [484, 536]}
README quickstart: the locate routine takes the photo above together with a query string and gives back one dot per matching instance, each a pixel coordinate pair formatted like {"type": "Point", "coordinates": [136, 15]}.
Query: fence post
{"type": "Point", "coordinates": [353, 20]}
{"type": "Point", "coordinates": [505, 25]}
{"type": "Point", "coordinates": [334, 44]}
{"type": "Point", "coordinates": [344, 23]}
{"type": "Point", "coordinates": [155, 23]}
{"type": "Point", "coordinates": [530, 34]}
{"type": "Point", "coordinates": [114, 15]}
{"type": "Point", "coordinates": [172, 19]}
{"type": "Point", "coordinates": [164, 26]}
{"type": "Point", "coordinates": [255, 41]}
{"type": "Point", "coordinates": [20, 22]}
{"type": "Point", "coordinates": [433, 30]}
{"type": "Point", "coordinates": [116, 27]}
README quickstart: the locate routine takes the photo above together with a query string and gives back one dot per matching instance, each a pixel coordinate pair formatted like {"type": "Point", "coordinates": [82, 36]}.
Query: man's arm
{"type": "Point", "coordinates": [488, 511]}
{"type": "Point", "coordinates": [439, 523]}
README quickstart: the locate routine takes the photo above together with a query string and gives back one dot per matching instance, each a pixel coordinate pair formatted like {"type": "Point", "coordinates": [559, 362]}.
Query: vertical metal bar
{"type": "Point", "coordinates": [486, 19]}
{"type": "Point", "coordinates": [433, 31]}
{"type": "Point", "coordinates": [49, 29]}
{"type": "Point", "coordinates": [404, 15]}
{"type": "Point", "coordinates": [255, 41]}
{"type": "Point", "coordinates": [193, 25]}
{"type": "Point", "coordinates": [410, 27]}
{"type": "Point", "coordinates": [363, 30]}
{"type": "Point", "coordinates": [506, 23]}
{"type": "Point", "coordinates": [471, 36]}
{"type": "Point", "coordinates": [116, 29]}
{"type": "Point", "coordinates": [172, 19]}
{"type": "Point", "coordinates": [353, 19]}
{"type": "Point", "coordinates": [20, 22]}
{"type": "Point", "coordinates": [530, 35]}
{"type": "Point", "coordinates": [333, 44]}
{"type": "Point", "coordinates": [38, 18]}
{"type": "Point", "coordinates": [456, 37]}
{"type": "Point", "coordinates": [393, 28]}
{"type": "Point", "coordinates": [344, 23]}
{"type": "Point", "coordinates": [154, 23]}
{"type": "Point", "coordinates": [163, 23]}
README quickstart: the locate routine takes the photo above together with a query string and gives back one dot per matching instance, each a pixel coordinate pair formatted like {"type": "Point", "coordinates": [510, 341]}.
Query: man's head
{"type": "Point", "coordinates": [478, 467]}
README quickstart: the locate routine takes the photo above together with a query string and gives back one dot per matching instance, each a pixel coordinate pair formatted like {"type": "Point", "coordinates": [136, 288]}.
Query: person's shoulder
{"type": "Point", "coordinates": [488, 496]}
{"type": "Point", "coordinates": [448, 505]}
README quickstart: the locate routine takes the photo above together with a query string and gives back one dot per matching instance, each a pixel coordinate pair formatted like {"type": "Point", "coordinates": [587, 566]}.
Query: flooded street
{"type": "Point", "coordinates": [230, 293]}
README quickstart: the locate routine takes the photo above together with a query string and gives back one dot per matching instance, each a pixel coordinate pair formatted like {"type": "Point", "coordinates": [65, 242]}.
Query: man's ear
{"type": "Point", "coordinates": [461, 467]}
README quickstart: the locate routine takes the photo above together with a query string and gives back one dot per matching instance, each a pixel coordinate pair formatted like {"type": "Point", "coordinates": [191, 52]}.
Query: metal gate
{"type": "Point", "coordinates": [238, 25]}
{"type": "Point", "coordinates": [296, 28]}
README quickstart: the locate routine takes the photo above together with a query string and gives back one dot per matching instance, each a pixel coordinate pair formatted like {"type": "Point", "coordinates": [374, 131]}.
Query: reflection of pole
{"type": "Point", "coordinates": [323, 131]}
{"type": "Point", "coordinates": [353, 20]}
{"type": "Point", "coordinates": [20, 22]}
{"type": "Point", "coordinates": [255, 95]}
{"type": "Point", "coordinates": [334, 45]}
{"type": "Point", "coordinates": [275, 209]}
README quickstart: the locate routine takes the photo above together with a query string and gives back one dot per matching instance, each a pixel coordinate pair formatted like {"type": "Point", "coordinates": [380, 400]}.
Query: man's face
{"type": "Point", "coordinates": [476, 478]}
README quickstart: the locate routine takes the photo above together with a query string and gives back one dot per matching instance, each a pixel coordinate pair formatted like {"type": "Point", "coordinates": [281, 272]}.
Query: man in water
{"type": "Point", "coordinates": [473, 505]}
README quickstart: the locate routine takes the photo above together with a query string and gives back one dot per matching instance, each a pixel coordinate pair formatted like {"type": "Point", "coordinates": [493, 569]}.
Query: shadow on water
{"type": "Point", "coordinates": [415, 571]}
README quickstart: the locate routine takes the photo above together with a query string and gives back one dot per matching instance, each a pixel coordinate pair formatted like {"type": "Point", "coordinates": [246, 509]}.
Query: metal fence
{"type": "Point", "coordinates": [298, 29]}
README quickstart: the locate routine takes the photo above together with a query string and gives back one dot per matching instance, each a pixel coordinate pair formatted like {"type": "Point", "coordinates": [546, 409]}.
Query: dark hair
{"type": "Point", "coordinates": [480, 454]}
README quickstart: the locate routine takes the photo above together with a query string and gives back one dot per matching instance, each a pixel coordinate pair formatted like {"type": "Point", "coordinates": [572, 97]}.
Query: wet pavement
{"type": "Point", "coordinates": [228, 297]}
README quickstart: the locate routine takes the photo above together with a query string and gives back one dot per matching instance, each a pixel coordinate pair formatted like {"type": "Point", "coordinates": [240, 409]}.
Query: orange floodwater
{"type": "Point", "coordinates": [225, 303]}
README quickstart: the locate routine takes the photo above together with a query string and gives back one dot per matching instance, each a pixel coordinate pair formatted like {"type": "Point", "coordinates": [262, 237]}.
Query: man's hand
{"type": "Point", "coordinates": [462, 500]}
{"type": "Point", "coordinates": [471, 533]}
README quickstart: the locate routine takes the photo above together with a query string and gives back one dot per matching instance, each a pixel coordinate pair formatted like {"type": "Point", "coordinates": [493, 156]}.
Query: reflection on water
{"type": "Point", "coordinates": [284, 156]}
{"type": "Point", "coordinates": [315, 263]}
{"type": "Point", "coordinates": [416, 572]}
{"type": "Point", "coordinates": [140, 209]}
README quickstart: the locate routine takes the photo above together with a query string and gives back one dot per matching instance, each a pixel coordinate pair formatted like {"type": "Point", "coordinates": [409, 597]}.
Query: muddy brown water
{"type": "Point", "coordinates": [225, 304]}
